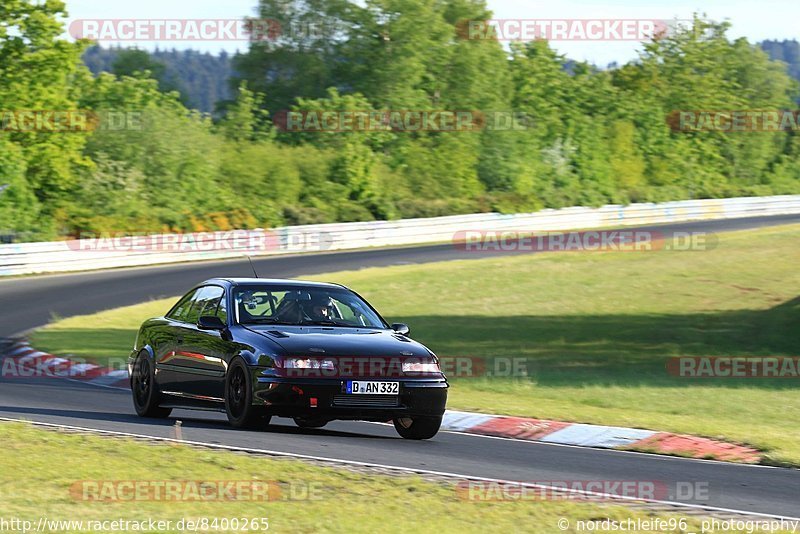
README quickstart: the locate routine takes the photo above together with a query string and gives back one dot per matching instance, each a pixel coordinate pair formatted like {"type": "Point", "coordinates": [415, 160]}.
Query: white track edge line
{"type": "Point", "coordinates": [398, 468]}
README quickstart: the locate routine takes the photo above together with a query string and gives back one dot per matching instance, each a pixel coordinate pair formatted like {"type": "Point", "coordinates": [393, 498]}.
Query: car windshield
{"type": "Point", "coordinates": [303, 305]}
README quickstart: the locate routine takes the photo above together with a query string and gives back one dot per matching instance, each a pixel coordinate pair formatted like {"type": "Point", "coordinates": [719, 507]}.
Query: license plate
{"type": "Point", "coordinates": [355, 387]}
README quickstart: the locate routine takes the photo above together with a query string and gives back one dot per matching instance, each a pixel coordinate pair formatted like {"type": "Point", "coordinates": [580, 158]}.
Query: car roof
{"type": "Point", "coordinates": [280, 281]}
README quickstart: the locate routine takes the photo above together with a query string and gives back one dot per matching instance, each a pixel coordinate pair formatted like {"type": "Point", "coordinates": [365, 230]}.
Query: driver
{"type": "Point", "coordinates": [319, 308]}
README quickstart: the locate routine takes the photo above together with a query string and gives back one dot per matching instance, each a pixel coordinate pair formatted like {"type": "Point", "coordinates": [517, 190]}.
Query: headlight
{"type": "Point", "coordinates": [421, 367]}
{"type": "Point", "coordinates": [307, 363]}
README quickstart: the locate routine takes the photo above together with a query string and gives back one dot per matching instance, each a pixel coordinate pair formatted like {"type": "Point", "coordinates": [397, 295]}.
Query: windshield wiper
{"type": "Point", "coordinates": [269, 320]}
{"type": "Point", "coordinates": [325, 322]}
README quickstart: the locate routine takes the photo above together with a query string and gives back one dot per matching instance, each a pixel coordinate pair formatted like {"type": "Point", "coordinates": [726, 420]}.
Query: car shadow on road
{"type": "Point", "coordinates": [52, 415]}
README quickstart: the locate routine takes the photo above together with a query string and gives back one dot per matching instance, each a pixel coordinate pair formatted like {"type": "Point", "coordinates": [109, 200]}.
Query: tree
{"type": "Point", "coordinates": [37, 72]}
{"type": "Point", "coordinates": [139, 63]}
{"type": "Point", "coordinates": [245, 119]}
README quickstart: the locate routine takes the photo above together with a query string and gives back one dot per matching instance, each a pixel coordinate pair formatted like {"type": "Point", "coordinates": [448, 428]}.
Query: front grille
{"type": "Point", "coordinates": [366, 400]}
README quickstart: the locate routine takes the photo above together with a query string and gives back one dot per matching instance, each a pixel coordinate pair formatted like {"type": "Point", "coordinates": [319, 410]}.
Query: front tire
{"type": "Point", "coordinates": [145, 390]}
{"type": "Point", "coordinates": [417, 427]}
{"type": "Point", "coordinates": [239, 398]}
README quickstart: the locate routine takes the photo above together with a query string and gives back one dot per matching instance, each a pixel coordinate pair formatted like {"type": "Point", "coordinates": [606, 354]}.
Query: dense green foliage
{"type": "Point", "coordinates": [590, 137]}
{"type": "Point", "coordinates": [203, 78]}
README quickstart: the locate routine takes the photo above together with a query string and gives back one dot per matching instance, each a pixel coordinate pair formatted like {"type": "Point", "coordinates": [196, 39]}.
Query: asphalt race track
{"type": "Point", "coordinates": [30, 302]}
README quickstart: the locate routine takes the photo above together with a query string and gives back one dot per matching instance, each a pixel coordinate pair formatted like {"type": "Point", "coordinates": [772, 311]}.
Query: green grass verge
{"type": "Point", "coordinates": [39, 468]}
{"type": "Point", "coordinates": [596, 329]}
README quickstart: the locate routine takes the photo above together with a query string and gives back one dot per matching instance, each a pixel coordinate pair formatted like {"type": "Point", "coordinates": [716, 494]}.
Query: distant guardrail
{"type": "Point", "coordinates": [139, 250]}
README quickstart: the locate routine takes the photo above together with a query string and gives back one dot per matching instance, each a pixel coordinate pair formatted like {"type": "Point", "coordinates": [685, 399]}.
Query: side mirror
{"type": "Point", "coordinates": [401, 328]}
{"type": "Point", "coordinates": [210, 322]}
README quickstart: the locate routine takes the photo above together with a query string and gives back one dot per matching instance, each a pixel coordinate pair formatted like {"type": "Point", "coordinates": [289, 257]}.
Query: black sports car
{"type": "Point", "coordinates": [257, 348]}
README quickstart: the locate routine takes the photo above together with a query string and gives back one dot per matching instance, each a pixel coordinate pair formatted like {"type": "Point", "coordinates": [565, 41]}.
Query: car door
{"type": "Point", "coordinates": [199, 357]}
{"type": "Point", "coordinates": [168, 336]}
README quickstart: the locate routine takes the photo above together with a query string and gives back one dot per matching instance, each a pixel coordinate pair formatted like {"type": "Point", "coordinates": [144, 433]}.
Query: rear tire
{"type": "Point", "coordinates": [239, 398]}
{"type": "Point", "coordinates": [145, 390]}
{"type": "Point", "coordinates": [310, 423]}
{"type": "Point", "coordinates": [417, 427]}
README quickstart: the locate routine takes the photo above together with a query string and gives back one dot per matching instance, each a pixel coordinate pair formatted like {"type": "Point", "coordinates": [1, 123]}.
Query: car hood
{"type": "Point", "coordinates": [318, 341]}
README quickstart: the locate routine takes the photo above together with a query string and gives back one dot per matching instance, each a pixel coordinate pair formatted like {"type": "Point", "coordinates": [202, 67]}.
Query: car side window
{"type": "Point", "coordinates": [180, 310]}
{"type": "Point", "coordinates": [222, 309]}
{"type": "Point", "coordinates": [215, 304]}
{"type": "Point", "coordinates": [204, 303]}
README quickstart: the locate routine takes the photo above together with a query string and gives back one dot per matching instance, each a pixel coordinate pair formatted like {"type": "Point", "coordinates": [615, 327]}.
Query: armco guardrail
{"type": "Point", "coordinates": [103, 253]}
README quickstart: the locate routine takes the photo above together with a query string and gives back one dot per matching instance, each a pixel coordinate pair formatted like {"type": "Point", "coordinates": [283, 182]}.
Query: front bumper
{"type": "Point", "coordinates": [326, 398]}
